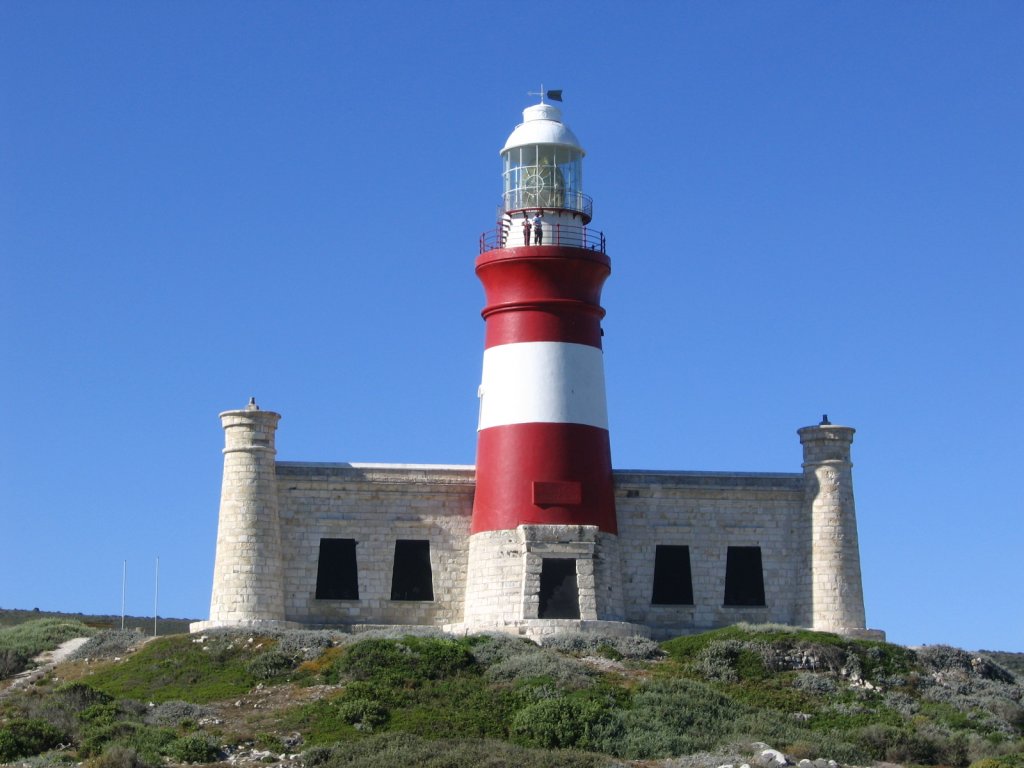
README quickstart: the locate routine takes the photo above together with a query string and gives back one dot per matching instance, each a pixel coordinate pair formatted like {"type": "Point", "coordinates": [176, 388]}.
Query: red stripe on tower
{"type": "Point", "coordinates": [543, 453]}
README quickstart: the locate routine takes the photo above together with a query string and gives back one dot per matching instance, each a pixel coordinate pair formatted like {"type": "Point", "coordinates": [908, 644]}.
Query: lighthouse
{"type": "Point", "coordinates": [543, 544]}
{"type": "Point", "coordinates": [540, 536]}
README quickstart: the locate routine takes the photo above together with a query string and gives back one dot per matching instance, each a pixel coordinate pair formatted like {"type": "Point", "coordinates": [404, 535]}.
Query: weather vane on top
{"type": "Point", "coordinates": [553, 95]}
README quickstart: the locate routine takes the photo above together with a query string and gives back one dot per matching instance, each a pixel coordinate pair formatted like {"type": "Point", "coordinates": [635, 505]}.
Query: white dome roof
{"type": "Point", "coordinates": [542, 124]}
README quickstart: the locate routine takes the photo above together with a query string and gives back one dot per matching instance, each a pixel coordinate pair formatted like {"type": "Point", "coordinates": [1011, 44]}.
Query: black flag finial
{"type": "Point", "coordinates": [553, 95]}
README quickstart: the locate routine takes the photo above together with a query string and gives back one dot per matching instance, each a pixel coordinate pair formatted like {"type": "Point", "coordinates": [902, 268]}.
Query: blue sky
{"type": "Point", "coordinates": [810, 207]}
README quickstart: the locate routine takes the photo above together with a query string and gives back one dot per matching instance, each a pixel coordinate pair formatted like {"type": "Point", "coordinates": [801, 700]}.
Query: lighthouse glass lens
{"type": "Point", "coordinates": [542, 175]}
{"type": "Point", "coordinates": [569, 177]}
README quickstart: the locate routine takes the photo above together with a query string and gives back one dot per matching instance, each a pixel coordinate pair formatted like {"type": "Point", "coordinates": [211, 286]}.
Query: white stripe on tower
{"type": "Point", "coordinates": [549, 382]}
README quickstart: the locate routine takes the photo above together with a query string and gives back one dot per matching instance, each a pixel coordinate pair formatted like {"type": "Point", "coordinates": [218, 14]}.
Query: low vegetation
{"type": "Point", "coordinates": [329, 699]}
{"type": "Point", "coordinates": [21, 642]}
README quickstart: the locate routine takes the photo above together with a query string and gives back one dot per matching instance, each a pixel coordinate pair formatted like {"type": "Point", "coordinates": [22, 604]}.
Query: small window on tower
{"type": "Point", "coordinates": [744, 578]}
{"type": "Point", "coordinates": [336, 573]}
{"type": "Point", "coordinates": [672, 582]}
{"type": "Point", "coordinates": [411, 578]}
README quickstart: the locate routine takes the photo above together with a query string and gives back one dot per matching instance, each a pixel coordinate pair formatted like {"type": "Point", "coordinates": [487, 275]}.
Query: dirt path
{"type": "Point", "coordinates": [45, 662]}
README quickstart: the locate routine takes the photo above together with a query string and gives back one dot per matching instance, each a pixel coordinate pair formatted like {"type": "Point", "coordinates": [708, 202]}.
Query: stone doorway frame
{"type": "Point", "coordinates": [569, 542]}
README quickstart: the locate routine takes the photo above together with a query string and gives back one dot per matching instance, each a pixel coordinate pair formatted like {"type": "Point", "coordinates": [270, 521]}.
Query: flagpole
{"type": "Point", "coordinates": [156, 594]}
{"type": "Point", "coordinates": [124, 581]}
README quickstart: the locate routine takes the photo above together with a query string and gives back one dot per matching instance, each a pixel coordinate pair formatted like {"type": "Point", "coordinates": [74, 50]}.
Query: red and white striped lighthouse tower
{"type": "Point", "coordinates": [543, 542]}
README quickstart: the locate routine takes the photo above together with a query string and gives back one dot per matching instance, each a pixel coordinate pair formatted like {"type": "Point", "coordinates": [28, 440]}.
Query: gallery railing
{"type": "Point", "coordinates": [555, 233]}
{"type": "Point", "coordinates": [523, 198]}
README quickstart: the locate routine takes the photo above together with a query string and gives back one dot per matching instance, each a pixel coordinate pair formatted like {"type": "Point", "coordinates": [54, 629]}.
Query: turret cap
{"type": "Point", "coordinates": [542, 124]}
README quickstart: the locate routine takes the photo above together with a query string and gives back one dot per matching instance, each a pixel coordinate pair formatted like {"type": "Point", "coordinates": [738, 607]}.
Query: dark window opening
{"type": "Point", "coordinates": [673, 584]}
{"type": "Point", "coordinates": [411, 578]}
{"type": "Point", "coordinates": [559, 595]}
{"type": "Point", "coordinates": [744, 578]}
{"type": "Point", "coordinates": [336, 573]}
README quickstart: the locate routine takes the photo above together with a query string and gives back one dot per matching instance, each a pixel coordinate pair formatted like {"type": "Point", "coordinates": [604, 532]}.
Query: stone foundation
{"type": "Point", "coordinates": [503, 577]}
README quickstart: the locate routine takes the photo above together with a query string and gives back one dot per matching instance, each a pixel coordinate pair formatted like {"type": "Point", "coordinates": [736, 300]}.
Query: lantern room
{"type": "Point", "coordinates": [543, 164]}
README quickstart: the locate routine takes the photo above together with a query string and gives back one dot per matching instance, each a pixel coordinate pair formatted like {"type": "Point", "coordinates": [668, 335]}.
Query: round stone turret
{"type": "Point", "coordinates": [836, 595]}
{"type": "Point", "coordinates": [247, 576]}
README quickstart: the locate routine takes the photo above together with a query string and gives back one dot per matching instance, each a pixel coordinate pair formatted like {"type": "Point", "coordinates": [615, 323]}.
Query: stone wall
{"type": "Point", "coordinates": [710, 512]}
{"type": "Point", "coordinates": [379, 504]}
{"type": "Point", "coordinates": [375, 505]}
{"type": "Point", "coordinates": [492, 579]}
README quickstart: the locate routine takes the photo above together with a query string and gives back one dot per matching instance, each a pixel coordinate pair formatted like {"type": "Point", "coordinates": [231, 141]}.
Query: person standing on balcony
{"type": "Point", "coordinates": [526, 230]}
{"type": "Point", "coordinates": [538, 228]}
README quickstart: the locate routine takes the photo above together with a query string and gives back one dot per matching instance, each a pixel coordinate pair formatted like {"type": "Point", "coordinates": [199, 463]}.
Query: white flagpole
{"type": "Point", "coordinates": [124, 581]}
{"type": "Point", "coordinates": [156, 594]}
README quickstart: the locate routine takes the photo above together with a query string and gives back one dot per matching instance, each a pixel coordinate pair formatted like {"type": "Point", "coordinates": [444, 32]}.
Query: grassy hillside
{"type": "Point", "coordinates": [328, 699]}
{"type": "Point", "coordinates": [25, 634]}
{"type": "Point", "coordinates": [11, 617]}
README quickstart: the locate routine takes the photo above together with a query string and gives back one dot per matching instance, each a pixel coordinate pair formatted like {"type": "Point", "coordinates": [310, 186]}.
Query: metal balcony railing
{"type": "Point", "coordinates": [572, 235]}
{"type": "Point", "coordinates": [522, 198]}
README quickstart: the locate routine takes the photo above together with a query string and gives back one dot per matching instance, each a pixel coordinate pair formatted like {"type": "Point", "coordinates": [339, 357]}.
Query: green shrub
{"type": "Point", "coordinates": [1013, 760]}
{"type": "Point", "coordinates": [270, 664]}
{"type": "Point", "coordinates": [12, 662]}
{"type": "Point", "coordinates": [320, 722]}
{"type": "Point", "coordinates": [563, 723]}
{"type": "Point", "coordinates": [489, 650]}
{"type": "Point", "coordinates": [192, 749]}
{"type": "Point", "coordinates": [408, 662]}
{"type": "Point", "coordinates": [175, 714]}
{"type": "Point", "coordinates": [103, 726]}
{"type": "Point", "coordinates": [363, 713]}
{"type": "Point", "coordinates": [675, 717]}
{"type": "Point", "coordinates": [544, 665]}
{"type": "Point", "coordinates": [771, 726]}
{"type": "Point", "coordinates": [787, 648]}
{"type": "Point", "coordinates": [717, 660]}
{"type": "Point", "coordinates": [815, 683]}
{"type": "Point", "coordinates": [151, 744]}
{"type": "Point", "coordinates": [63, 706]}
{"type": "Point", "coordinates": [925, 746]}
{"type": "Point", "coordinates": [97, 736]}
{"type": "Point", "coordinates": [79, 696]}
{"type": "Point", "coordinates": [270, 742]}
{"type": "Point", "coordinates": [460, 707]}
{"type": "Point", "coordinates": [883, 660]}
{"type": "Point", "coordinates": [615, 647]}
{"type": "Point", "coordinates": [686, 647]}
{"type": "Point", "coordinates": [23, 738]}
{"type": "Point", "coordinates": [439, 658]}
{"type": "Point", "coordinates": [119, 756]}
{"type": "Point", "coordinates": [388, 750]}
{"type": "Point", "coordinates": [305, 644]}
{"type": "Point", "coordinates": [108, 644]}
{"type": "Point", "coordinates": [877, 740]}
{"type": "Point", "coordinates": [824, 746]}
